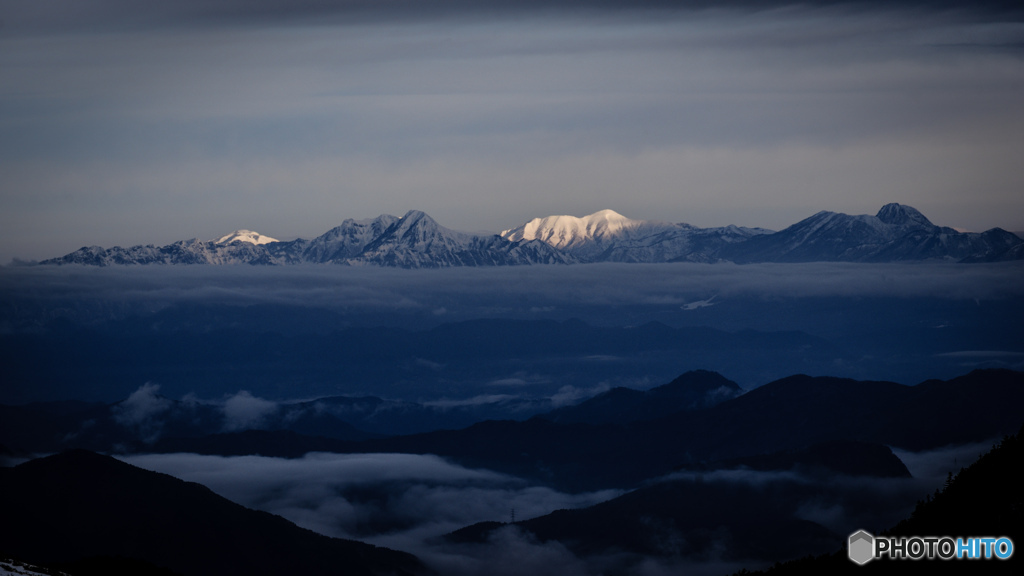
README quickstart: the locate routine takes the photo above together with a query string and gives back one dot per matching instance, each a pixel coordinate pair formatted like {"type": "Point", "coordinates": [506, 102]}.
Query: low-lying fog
{"type": "Point", "coordinates": [406, 502]}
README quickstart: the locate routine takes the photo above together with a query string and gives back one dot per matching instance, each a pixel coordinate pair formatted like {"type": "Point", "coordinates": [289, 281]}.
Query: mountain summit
{"type": "Point", "coordinates": [245, 236]}
{"type": "Point", "coordinates": [903, 216]}
{"type": "Point", "coordinates": [608, 236]}
{"type": "Point", "coordinates": [569, 231]}
{"type": "Point", "coordinates": [897, 233]}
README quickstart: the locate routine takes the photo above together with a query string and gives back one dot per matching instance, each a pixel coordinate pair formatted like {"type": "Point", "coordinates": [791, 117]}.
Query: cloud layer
{"type": "Point", "coordinates": [389, 499]}
{"type": "Point", "coordinates": [525, 289]}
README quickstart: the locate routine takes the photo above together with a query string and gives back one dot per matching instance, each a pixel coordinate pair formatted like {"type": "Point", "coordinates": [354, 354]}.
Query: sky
{"type": "Point", "coordinates": [126, 123]}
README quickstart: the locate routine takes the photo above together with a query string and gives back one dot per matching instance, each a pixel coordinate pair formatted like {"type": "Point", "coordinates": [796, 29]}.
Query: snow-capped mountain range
{"type": "Point", "coordinates": [896, 233]}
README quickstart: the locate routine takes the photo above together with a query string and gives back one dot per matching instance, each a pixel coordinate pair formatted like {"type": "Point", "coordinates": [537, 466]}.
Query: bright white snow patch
{"type": "Point", "coordinates": [246, 236]}
{"type": "Point", "coordinates": [564, 231]}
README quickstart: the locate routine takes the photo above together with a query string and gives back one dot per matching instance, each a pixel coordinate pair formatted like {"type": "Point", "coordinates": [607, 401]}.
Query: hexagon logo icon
{"type": "Point", "coordinates": [860, 547]}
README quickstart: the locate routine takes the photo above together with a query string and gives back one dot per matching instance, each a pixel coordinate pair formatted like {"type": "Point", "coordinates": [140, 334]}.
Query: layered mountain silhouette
{"type": "Point", "coordinates": [693, 390]}
{"type": "Point", "coordinates": [697, 520]}
{"type": "Point", "coordinates": [788, 414]}
{"type": "Point", "coordinates": [150, 421]}
{"type": "Point", "coordinates": [896, 233]}
{"type": "Point", "coordinates": [746, 517]}
{"type": "Point", "coordinates": [219, 350]}
{"type": "Point", "coordinates": [797, 422]}
{"type": "Point", "coordinates": [984, 499]}
{"type": "Point", "coordinates": [714, 475]}
{"type": "Point", "coordinates": [79, 505]}
{"type": "Point", "coordinates": [731, 515]}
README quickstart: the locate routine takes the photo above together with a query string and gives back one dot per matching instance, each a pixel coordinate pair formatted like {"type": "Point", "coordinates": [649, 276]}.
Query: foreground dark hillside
{"type": "Point", "coordinates": [79, 505]}
{"type": "Point", "coordinates": [984, 499]}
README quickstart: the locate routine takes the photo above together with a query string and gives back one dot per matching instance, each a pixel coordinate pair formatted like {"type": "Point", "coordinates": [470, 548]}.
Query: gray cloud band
{"type": "Point", "coordinates": [602, 284]}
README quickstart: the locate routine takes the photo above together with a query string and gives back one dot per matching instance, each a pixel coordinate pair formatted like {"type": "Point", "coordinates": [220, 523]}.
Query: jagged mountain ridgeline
{"type": "Point", "coordinates": [896, 233]}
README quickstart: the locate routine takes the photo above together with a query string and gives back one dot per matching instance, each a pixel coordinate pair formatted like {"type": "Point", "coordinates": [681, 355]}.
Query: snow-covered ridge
{"type": "Point", "coordinates": [610, 236]}
{"type": "Point", "coordinates": [245, 236]}
{"type": "Point", "coordinates": [567, 231]}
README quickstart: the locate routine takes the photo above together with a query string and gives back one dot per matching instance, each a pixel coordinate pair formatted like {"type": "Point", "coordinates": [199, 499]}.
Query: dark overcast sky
{"type": "Point", "coordinates": [125, 122]}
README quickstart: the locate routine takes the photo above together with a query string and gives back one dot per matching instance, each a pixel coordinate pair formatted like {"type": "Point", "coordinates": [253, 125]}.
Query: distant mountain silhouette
{"type": "Point", "coordinates": [896, 233]}
{"type": "Point", "coordinates": [694, 390]}
{"type": "Point", "coordinates": [78, 504]}
{"type": "Point", "coordinates": [747, 517]}
{"type": "Point", "coordinates": [693, 520]}
{"type": "Point", "coordinates": [190, 346]}
{"type": "Point", "coordinates": [788, 414]}
{"type": "Point", "coordinates": [839, 456]}
{"type": "Point", "coordinates": [759, 520]}
{"type": "Point", "coordinates": [797, 421]}
{"type": "Point", "coordinates": [776, 425]}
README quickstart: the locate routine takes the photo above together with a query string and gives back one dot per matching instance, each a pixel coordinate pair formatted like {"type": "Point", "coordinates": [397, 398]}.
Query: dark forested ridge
{"type": "Point", "coordinates": [78, 505]}
{"type": "Point", "coordinates": [789, 414]}
{"type": "Point", "coordinates": [984, 499]}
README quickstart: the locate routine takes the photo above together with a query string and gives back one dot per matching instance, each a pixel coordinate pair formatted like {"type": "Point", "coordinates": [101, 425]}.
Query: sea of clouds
{"type": "Point", "coordinates": [406, 502]}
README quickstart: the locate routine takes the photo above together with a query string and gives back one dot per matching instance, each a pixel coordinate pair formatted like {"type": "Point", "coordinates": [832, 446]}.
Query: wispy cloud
{"type": "Point", "coordinates": [243, 411]}
{"type": "Point", "coordinates": [383, 498]}
{"type": "Point", "coordinates": [142, 411]}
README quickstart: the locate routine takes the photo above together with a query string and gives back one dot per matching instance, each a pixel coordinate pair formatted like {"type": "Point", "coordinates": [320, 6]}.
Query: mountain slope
{"type": "Point", "coordinates": [607, 236]}
{"type": "Point", "coordinates": [193, 251]}
{"type": "Point", "coordinates": [78, 504]}
{"type": "Point", "coordinates": [698, 521]}
{"type": "Point", "coordinates": [726, 512]}
{"type": "Point", "coordinates": [896, 233]}
{"type": "Point", "coordinates": [245, 236]}
{"type": "Point", "coordinates": [346, 241]}
{"type": "Point", "coordinates": [984, 499]}
{"type": "Point", "coordinates": [743, 515]}
{"type": "Point", "coordinates": [694, 390]}
{"type": "Point", "coordinates": [417, 241]}
{"type": "Point", "coordinates": [412, 241]}
{"type": "Point", "coordinates": [787, 414]}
